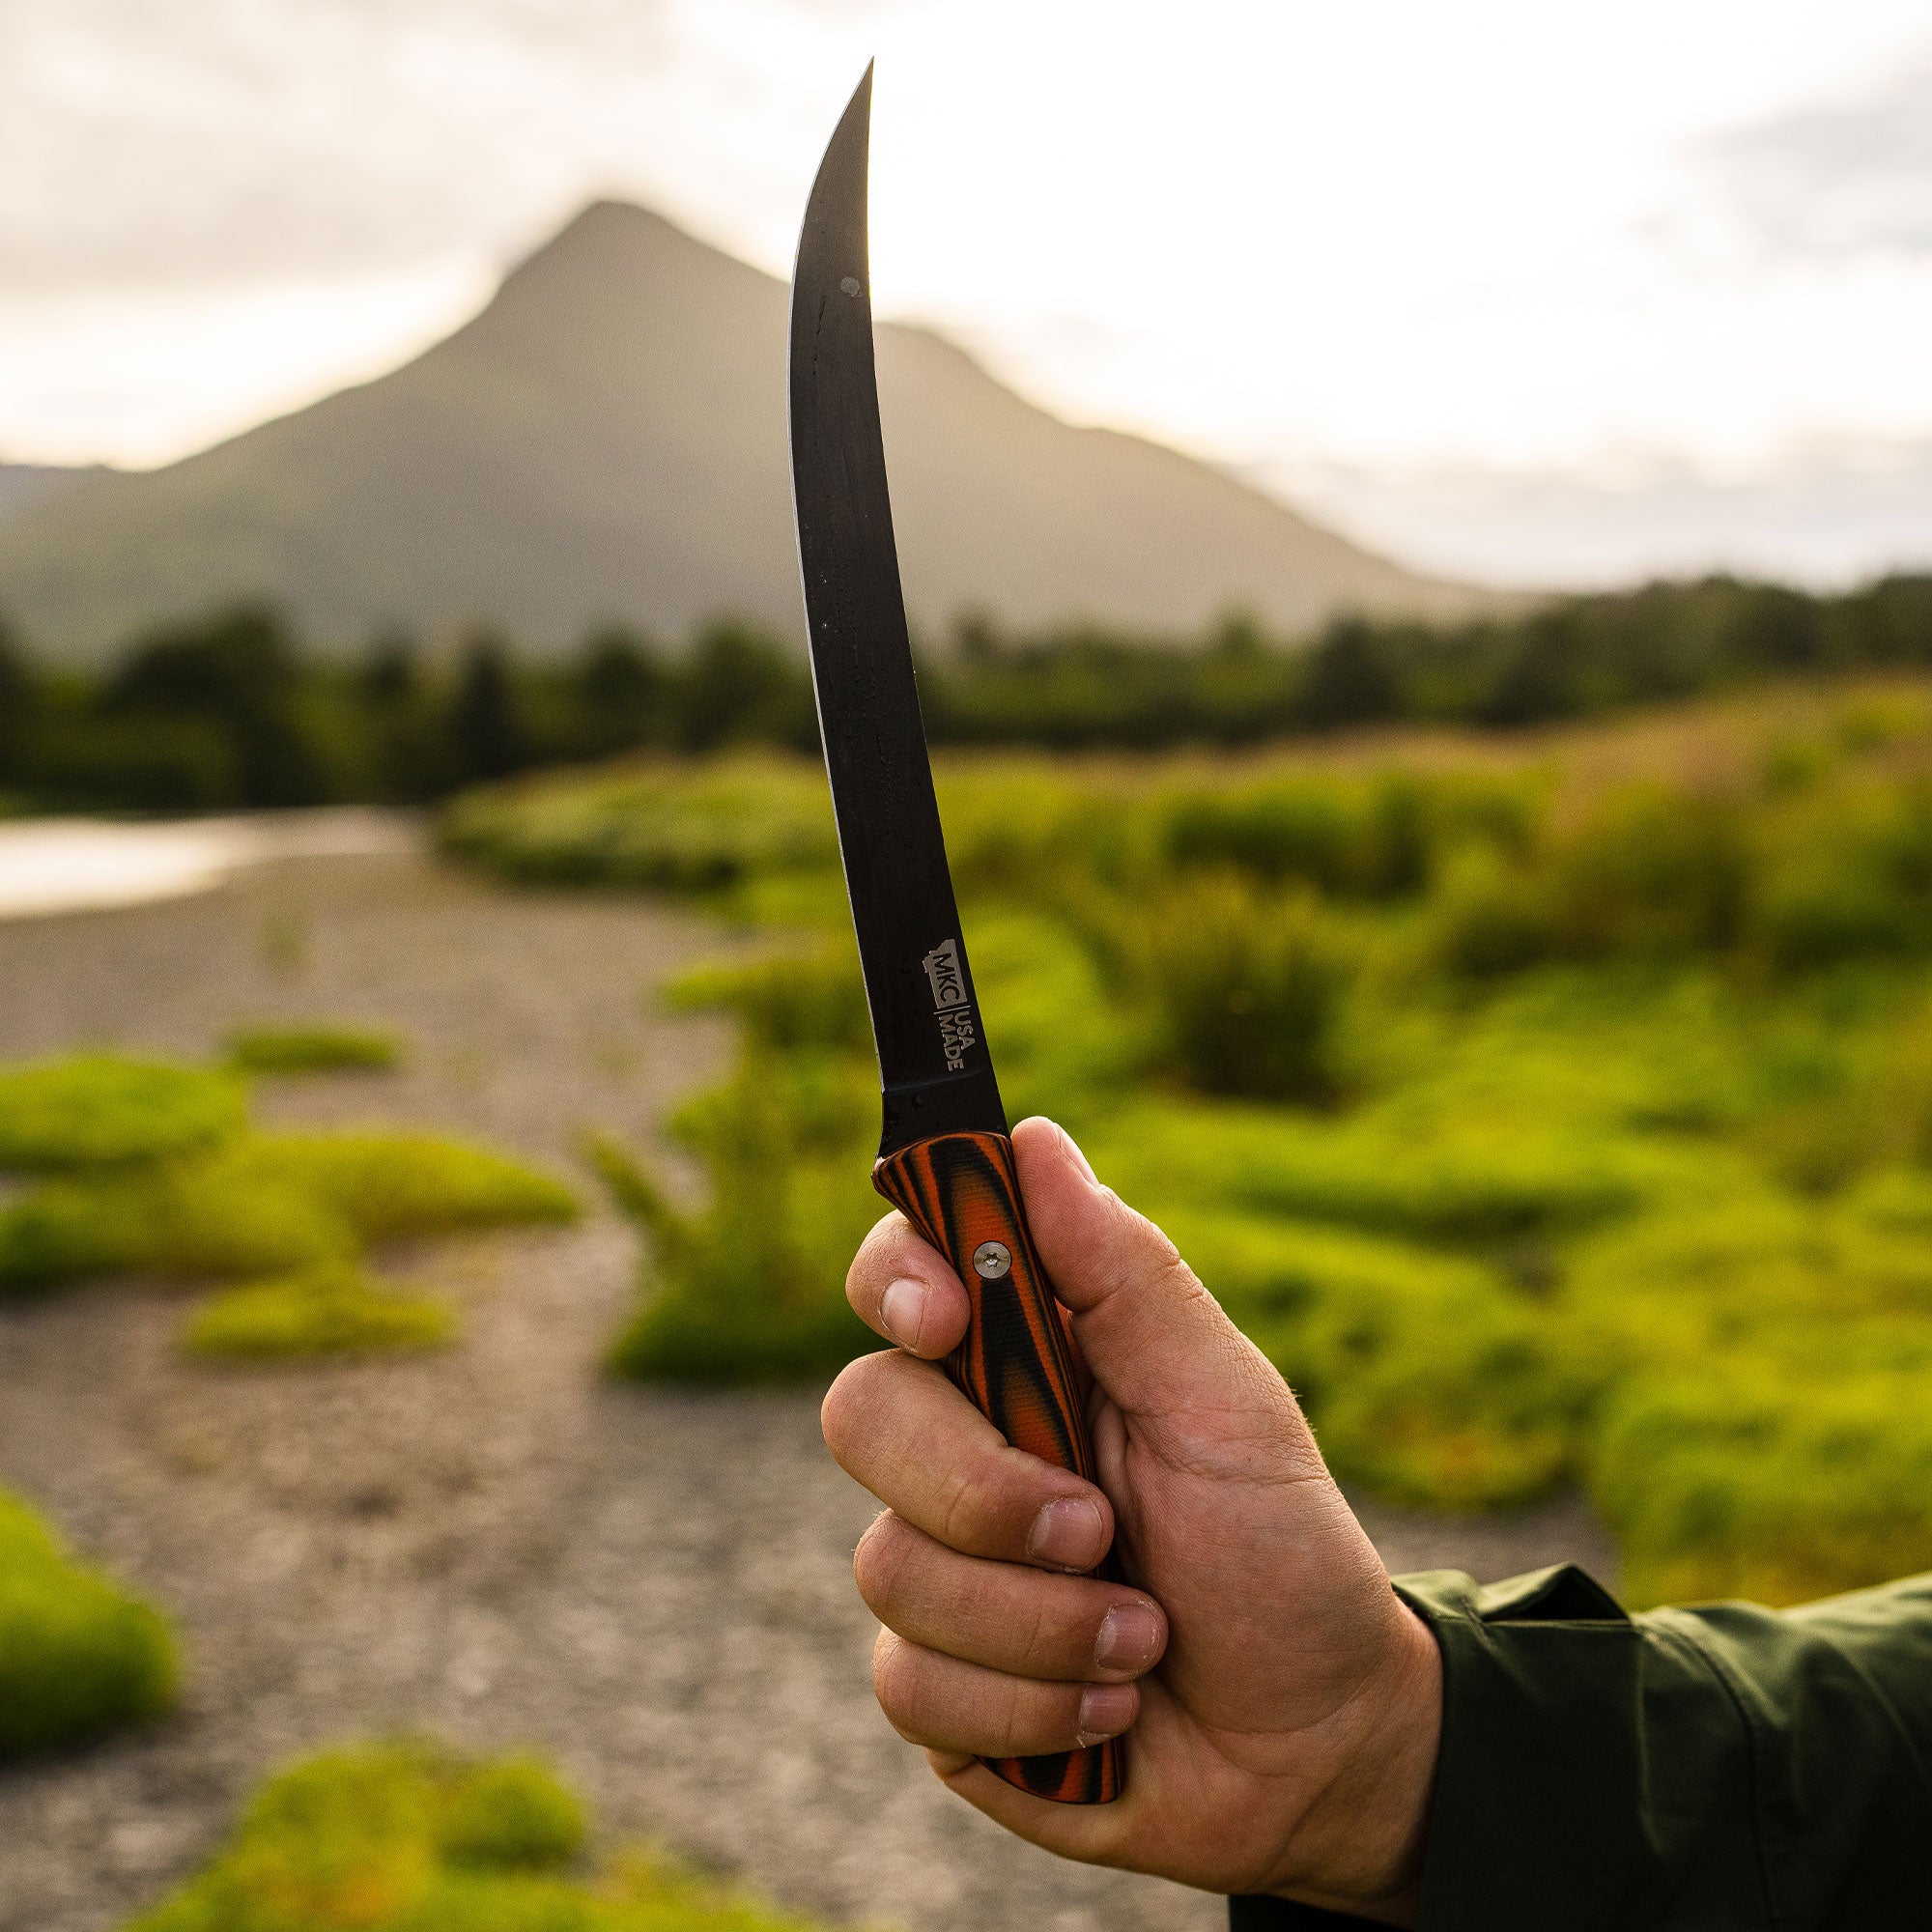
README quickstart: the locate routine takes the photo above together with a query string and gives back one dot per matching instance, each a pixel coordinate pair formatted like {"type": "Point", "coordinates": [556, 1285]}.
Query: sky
{"type": "Point", "coordinates": [1531, 292]}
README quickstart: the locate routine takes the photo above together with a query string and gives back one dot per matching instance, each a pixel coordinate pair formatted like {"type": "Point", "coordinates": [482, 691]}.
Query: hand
{"type": "Point", "coordinates": [1285, 1704]}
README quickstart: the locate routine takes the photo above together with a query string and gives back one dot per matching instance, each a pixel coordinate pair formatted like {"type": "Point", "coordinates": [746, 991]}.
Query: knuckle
{"type": "Point", "coordinates": [1030, 1719]}
{"type": "Point", "coordinates": [879, 1564]}
{"type": "Point", "coordinates": [838, 1413]}
{"type": "Point", "coordinates": [895, 1683]}
{"type": "Point", "coordinates": [871, 1263]}
{"type": "Point", "coordinates": [849, 1403]}
{"type": "Point", "coordinates": [961, 1512]}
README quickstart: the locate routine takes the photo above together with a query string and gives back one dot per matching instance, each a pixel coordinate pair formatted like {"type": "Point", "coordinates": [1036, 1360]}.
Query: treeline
{"type": "Point", "coordinates": [232, 710]}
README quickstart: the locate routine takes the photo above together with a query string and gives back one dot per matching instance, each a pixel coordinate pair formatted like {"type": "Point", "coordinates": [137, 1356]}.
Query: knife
{"type": "Point", "coordinates": [945, 1159]}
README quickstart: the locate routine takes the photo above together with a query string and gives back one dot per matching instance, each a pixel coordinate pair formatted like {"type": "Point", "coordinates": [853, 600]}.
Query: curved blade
{"type": "Point", "coordinates": [933, 1064]}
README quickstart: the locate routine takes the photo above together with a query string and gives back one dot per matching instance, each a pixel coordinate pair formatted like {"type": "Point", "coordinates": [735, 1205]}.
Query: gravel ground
{"type": "Point", "coordinates": [494, 1543]}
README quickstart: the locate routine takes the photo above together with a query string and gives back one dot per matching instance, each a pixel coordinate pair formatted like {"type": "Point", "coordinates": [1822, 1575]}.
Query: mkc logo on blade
{"type": "Point", "coordinates": [950, 1002]}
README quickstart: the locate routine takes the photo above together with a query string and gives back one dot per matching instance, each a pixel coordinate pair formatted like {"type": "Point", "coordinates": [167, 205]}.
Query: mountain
{"type": "Point", "coordinates": [607, 438]}
{"type": "Point", "coordinates": [25, 483]}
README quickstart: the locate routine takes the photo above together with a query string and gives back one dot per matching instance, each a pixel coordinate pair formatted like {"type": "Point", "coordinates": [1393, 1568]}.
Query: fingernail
{"type": "Point", "coordinates": [1129, 1637]}
{"type": "Point", "coordinates": [902, 1312]}
{"type": "Point", "coordinates": [1106, 1710]}
{"type": "Point", "coordinates": [1068, 1534]}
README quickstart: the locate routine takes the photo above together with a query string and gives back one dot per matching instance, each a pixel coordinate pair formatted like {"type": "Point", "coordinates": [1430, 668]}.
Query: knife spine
{"type": "Point", "coordinates": [1017, 1363]}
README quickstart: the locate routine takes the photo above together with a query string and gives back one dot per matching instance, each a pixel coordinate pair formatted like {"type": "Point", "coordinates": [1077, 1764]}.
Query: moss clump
{"type": "Point", "coordinates": [324, 1311]}
{"type": "Point", "coordinates": [212, 1216]}
{"type": "Point", "coordinates": [77, 1655]}
{"type": "Point", "coordinates": [138, 1192]}
{"type": "Point", "coordinates": [408, 1838]}
{"type": "Point", "coordinates": [313, 1049]}
{"type": "Point", "coordinates": [95, 1110]}
{"type": "Point", "coordinates": [383, 1186]}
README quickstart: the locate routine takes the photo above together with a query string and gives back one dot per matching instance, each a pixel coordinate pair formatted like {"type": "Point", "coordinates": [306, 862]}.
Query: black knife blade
{"type": "Point", "coordinates": [944, 1156]}
{"type": "Point", "coordinates": [933, 1065]}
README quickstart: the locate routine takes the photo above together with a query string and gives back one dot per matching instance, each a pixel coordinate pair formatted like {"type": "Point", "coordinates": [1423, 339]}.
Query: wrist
{"type": "Point", "coordinates": [1358, 1848]}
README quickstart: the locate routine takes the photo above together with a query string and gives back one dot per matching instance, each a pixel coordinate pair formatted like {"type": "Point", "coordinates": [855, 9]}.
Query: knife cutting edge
{"type": "Point", "coordinates": [945, 1158]}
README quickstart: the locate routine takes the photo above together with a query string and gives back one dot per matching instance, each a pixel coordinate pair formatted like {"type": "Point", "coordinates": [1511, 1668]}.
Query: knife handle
{"type": "Point", "coordinates": [1016, 1365]}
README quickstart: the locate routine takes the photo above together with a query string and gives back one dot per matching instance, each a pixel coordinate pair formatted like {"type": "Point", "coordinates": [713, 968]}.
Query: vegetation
{"type": "Point", "coordinates": [100, 1111]}
{"type": "Point", "coordinates": [150, 1168]}
{"type": "Point", "coordinates": [332, 1309]}
{"type": "Point", "coordinates": [316, 1048]}
{"type": "Point", "coordinates": [77, 1655]}
{"type": "Point", "coordinates": [1545, 1125]}
{"type": "Point", "coordinates": [405, 1837]}
{"type": "Point", "coordinates": [231, 709]}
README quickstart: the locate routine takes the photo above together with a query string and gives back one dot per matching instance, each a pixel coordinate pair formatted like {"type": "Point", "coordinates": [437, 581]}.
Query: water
{"type": "Point", "coordinates": [67, 865]}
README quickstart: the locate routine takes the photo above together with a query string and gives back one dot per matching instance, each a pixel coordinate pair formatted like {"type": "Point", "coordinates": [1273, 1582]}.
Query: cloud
{"type": "Point", "coordinates": [159, 144]}
{"type": "Point", "coordinates": [1839, 177]}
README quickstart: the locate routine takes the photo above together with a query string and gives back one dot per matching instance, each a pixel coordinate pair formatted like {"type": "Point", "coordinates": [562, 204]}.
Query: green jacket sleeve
{"type": "Point", "coordinates": [1726, 1769]}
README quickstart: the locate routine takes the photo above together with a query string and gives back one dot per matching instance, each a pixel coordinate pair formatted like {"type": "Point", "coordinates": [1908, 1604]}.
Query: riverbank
{"type": "Point", "coordinates": [495, 1545]}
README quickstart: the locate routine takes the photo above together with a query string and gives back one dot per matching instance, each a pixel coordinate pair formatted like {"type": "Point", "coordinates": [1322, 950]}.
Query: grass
{"type": "Point", "coordinates": [1563, 1122]}
{"type": "Point", "coordinates": [79, 1656]}
{"type": "Point", "coordinates": [740, 1287]}
{"type": "Point", "coordinates": [317, 1048]}
{"type": "Point", "coordinates": [99, 1110]}
{"type": "Point", "coordinates": [322, 1311]}
{"type": "Point", "coordinates": [406, 1837]}
{"type": "Point", "coordinates": [151, 1168]}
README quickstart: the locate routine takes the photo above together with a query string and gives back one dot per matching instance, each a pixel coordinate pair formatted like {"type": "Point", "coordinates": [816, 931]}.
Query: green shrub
{"type": "Point", "coordinates": [1767, 1482]}
{"type": "Point", "coordinates": [1489, 918]}
{"type": "Point", "coordinates": [811, 999]}
{"type": "Point", "coordinates": [1248, 989]}
{"type": "Point", "coordinates": [1428, 1377]}
{"type": "Point", "coordinates": [218, 1215]}
{"type": "Point", "coordinates": [382, 1186]}
{"type": "Point", "coordinates": [409, 1838]}
{"type": "Point", "coordinates": [1653, 874]}
{"type": "Point", "coordinates": [1525, 1107]}
{"type": "Point", "coordinates": [1476, 1186]}
{"type": "Point", "coordinates": [751, 1288]}
{"type": "Point", "coordinates": [164, 1178]}
{"type": "Point", "coordinates": [511, 1814]}
{"type": "Point", "coordinates": [330, 1310]}
{"type": "Point", "coordinates": [77, 1655]}
{"type": "Point", "coordinates": [95, 1110]}
{"type": "Point", "coordinates": [670, 827]}
{"type": "Point", "coordinates": [312, 1049]}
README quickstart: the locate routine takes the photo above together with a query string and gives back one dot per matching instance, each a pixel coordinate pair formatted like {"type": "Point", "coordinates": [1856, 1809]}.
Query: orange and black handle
{"type": "Point", "coordinates": [962, 1191]}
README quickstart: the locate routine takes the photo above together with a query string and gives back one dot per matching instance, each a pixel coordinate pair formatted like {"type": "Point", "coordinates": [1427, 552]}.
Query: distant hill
{"type": "Point", "coordinates": [25, 483]}
{"type": "Point", "coordinates": [607, 438]}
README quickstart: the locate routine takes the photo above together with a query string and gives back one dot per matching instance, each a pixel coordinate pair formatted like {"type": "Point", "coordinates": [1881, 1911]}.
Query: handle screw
{"type": "Point", "coordinates": [991, 1260]}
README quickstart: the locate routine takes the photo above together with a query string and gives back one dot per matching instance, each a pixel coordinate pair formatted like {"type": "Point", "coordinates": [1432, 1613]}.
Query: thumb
{"type": "Point", "coordinates": [1155, 1339]}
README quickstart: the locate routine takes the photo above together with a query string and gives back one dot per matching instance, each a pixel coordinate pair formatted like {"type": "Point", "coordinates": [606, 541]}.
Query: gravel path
{"type": "Point", "coordinates": [494, 1543]}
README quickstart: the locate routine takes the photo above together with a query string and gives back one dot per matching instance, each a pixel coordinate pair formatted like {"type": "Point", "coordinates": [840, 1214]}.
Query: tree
{"type": "Point", "coordinates": [742, 686]}
{"type": "Point", "coordinates": [389, 676]}
{"type": "Point", "coordinates": [236, 669]}
{"type": "Point", "coordinates": [486, 726]}
{"type": "Point", "coordinates": [18, 703]}
{"type": "Point", "coordinates": [622, 691]}
{"type": "Point", "coordinates": [1350, 680]}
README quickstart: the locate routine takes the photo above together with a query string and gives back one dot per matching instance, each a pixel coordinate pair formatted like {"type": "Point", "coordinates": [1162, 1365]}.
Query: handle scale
{"type": "Point", "coordinates": [962, 1191]}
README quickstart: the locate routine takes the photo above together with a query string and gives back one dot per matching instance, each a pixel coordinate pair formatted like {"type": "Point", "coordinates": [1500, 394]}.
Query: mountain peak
{"type": "Point", "coordinates": [607, 439]}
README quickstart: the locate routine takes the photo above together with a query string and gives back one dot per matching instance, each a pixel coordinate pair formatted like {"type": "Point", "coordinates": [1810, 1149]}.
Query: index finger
{"type": "Point", "coordinates": [904, 1289]}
